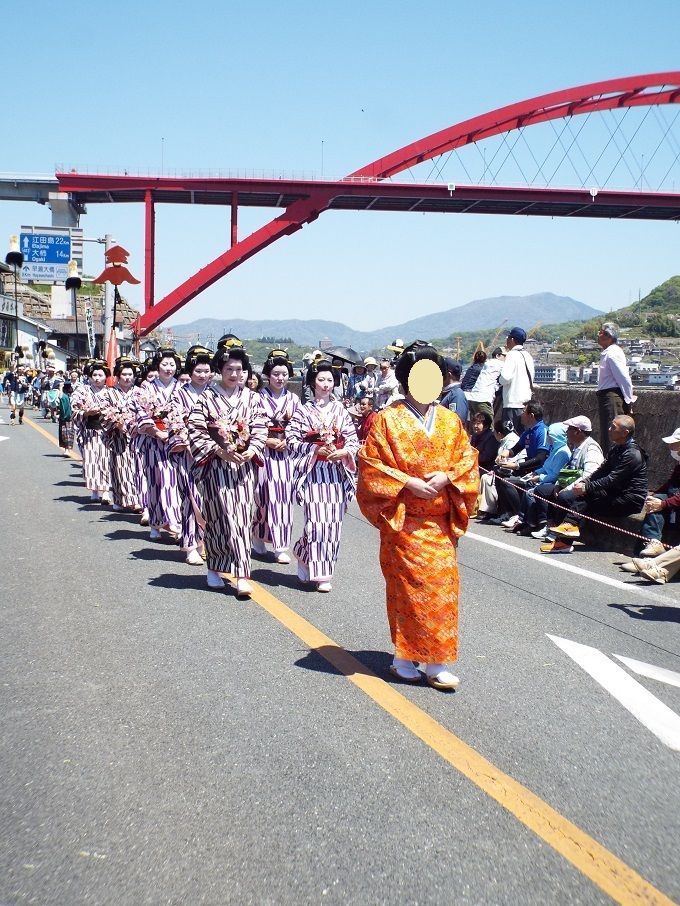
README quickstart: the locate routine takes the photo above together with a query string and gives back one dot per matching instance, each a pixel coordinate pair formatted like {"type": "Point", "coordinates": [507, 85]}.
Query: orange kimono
{"type": "Point", "coordinates": [418, 537]}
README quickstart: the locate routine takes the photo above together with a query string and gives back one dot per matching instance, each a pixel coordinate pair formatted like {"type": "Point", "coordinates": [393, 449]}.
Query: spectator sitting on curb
{"type": "Point", "coordinates": [534, 439]}
{"type": "Point", "coordinates": [663, 504]}
{"type": "Point", "coordinates": [484, 440]}
{"type": "Point", "coordinates": [541, 482]}
{"type": "Point", "coordinates": [659, 569]}
{"type": "Point", "coordinates": [488, 496]}
{"type": "Point", "coordinates": [617, 488]}
{"type": "Point", "coordinates": [586, 457]}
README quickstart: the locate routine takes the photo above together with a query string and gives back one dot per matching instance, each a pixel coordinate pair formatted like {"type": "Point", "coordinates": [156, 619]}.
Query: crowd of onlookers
{"type": "Point", "coordinates": [537, 479]}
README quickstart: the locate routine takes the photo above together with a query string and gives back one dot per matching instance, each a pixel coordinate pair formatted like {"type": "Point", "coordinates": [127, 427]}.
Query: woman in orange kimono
{"type": "Point", "coordinates": [418, 482]}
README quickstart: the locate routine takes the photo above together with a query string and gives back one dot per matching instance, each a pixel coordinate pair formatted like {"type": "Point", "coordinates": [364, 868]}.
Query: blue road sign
{"type": "Point", "coordinates": [46, 255]}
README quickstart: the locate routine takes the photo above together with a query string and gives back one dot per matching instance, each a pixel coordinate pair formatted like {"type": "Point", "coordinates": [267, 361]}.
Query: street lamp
{"type": "Point", "coordinates": [73, 282]}
{"type": "Point", "coordinates": [15, 259]}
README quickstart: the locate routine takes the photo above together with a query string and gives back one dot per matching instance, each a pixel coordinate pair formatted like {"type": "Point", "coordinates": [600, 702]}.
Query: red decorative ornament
{"type": "Point", "coordinates": [115, 271]}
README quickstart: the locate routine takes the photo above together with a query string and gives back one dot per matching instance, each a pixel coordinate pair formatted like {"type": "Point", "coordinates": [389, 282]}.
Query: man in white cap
{"type": "Point", "coordinates": [586, 457]}
{"type": "Point", "coordinates": [614, 387]}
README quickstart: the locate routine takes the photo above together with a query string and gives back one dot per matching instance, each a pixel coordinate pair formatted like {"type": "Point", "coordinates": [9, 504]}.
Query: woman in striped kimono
{"type": "Point", "coordinates": [274, 490]}
{"type": "Point", "coordinates": [117, 417]}
{"type": "Point", "coordinates": [323, 445]}
{"type": "Point", "coordinates": [227, 435]}
{"type": "Point", "coordinates": [87, 405]}
{"type": "Point", "coordinates": [153, 406]}
{"type": "Point", "coordinates": [198, 366]}
{"type": "Point", "coordinates": [148, 375]}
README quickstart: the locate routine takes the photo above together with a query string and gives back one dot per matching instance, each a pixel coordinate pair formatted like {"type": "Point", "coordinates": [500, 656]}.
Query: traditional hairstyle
{"type": "Point", "coordinates": [229, 341]}
{"type": "Point", "coordinates": [125, 361]}
{"type": "Point", "coordinates": [166, 352]}
{"type": "Point", "coordinates": [316, 368]}
{"type": "Point", "coordinates": [416, 352]}
{"type": "Point", "coordinates": [277, 357]}
{"type": "Point", "coordinates": [98, 365]}
{"type": "Point", "coordinates": [224, 353]}
{"type": "Point", "coordinates": [197, 355]}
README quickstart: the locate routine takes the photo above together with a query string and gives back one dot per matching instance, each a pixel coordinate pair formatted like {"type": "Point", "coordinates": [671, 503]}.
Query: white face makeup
{"type": "Point", "coordinates": [126, 378]}
{"type": "Point", "coordinates": [166, 370]}
{"type": "Point", "coordinates": [233, 375]}
{"type": "Point", "coordinates": [98, 379]}
{"type": "Point", "coordinates": [323, 385]}
{"type": "Point", "coordinates": [201, 375]}
{"type": "Point", "coordinates": [278, 378]}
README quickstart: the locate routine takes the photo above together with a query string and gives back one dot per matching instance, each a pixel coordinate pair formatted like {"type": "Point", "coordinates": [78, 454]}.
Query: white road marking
{"type": "Point", "coordinates": [557, 561]}
{"type": "Point", "coordinates": [4, 438]}
{"type": "Point", "coordinates": [645, 707]}
{"type": "Point", "coordinates": [670, 677]}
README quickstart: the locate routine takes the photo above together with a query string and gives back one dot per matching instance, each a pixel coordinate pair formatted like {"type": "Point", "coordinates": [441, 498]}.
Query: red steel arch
{"type": "Point", "coordinates": [632, 91]}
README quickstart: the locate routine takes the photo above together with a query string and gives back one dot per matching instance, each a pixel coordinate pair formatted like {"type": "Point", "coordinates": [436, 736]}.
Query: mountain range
{"type": "Point", "coordinates": [481, 314]}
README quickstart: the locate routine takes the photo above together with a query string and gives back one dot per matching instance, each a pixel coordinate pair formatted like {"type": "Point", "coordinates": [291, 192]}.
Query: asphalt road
{"type": "Point", "coordinates": [166, 744]}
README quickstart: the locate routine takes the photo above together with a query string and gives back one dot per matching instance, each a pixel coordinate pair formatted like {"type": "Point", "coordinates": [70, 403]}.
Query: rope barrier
{"type": "Point", "coordinates": [575, 513]}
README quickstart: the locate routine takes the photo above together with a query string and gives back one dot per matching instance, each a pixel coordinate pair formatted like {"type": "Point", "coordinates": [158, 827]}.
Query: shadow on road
{"type": "Point", "coordinates": [271, 578]}
{"type": "Point", "coordinates": [171, 553]}
{"type": "Point", "coordinates": [332, 659]}
{"type": "Point", "coordinates": [122, 534]}
{"type": "Point", "coordinates": [653, 612]}
{"type": "Point", "coordinates": [69, 484]}
{"type": "Point", "coordinates": [183, 582]}
{"type": "Point", "coordinates": [85, 502]}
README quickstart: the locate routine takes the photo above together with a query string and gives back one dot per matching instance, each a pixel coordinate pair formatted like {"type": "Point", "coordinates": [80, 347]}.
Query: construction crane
{"type": "Point", "coordinates": [494, 339]}
{"type": "Point", "coordinates": [533, 329]}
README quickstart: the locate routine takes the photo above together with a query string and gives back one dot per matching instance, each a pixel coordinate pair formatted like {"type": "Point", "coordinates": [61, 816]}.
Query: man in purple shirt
{"type": "Point", "coordinates": [614, 387]}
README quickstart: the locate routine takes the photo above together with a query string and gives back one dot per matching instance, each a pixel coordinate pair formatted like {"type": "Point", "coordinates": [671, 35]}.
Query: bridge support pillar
{"type": "Point", "coordinates": [234, 219]}
{"type": "Point", "coordinates": [64, 212]}
{"type": "Point", "coordinates": [149, 249]}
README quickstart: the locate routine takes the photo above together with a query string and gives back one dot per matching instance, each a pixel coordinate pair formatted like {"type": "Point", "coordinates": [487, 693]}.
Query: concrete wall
{"type": "Point", "coordinates": [656, 414]}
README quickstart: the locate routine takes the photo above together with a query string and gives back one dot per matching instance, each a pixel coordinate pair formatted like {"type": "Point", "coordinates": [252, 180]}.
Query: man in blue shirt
{"type": "Point", "coordinates": [534, 439]}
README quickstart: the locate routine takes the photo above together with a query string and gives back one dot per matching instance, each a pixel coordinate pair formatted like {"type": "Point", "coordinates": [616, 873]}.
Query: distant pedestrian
{"type": "Point", "coordinates": [516, 377]}
{"type": "Point", "coordinates": [614, 386]}
{"type": "Point", "coordinates": [66, 430]}
{"type": "Point", "coordinates": [481, 397]}
{"type": "Point", "coordinates": [472, 373]}
{"type": "Point", "coordinates": [452, 396]}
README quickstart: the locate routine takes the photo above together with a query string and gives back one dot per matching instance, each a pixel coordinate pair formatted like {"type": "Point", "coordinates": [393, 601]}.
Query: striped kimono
{"type": "Point", "coordinates": [274, 489]}
{"type": "Point", "coordinates": [161, 478]}
{"type": "Point", "coordinates": [137, 441]}
{"type": "Point", "coordinates": [227, 489]}
{"type": "Point", "coordinates": [324, 489]}
{"type": "Point", "coordinates": [193, 524]}
{"type": "Point", "coordinates": [90, 431]}
{"type": "Point", "coordinates": [117, 419]}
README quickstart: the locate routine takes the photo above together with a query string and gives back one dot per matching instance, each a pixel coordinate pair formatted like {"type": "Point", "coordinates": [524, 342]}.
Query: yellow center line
{"type": "Point", "coordinates": [603, 868]}
{"type": "Point", "coordinates": [52, 439]}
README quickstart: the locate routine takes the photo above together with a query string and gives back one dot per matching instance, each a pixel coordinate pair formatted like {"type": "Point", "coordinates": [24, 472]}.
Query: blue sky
{"type": "Point", "coordinates": [259, 87]}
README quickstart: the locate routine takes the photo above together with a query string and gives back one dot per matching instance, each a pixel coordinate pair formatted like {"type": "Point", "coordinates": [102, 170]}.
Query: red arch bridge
{"type": "Point", "coordinates": [373, 187]}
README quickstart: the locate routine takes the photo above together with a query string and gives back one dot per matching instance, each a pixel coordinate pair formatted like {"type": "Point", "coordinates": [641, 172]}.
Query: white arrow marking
{"type": "Point", "coordinates": [670, 677]}
{"type": "Point", "coordinates": [652, 713]}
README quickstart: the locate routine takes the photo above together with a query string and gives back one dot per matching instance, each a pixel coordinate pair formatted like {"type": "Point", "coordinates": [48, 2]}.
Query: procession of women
{"type": "Point", "coordinates": [215, 459]}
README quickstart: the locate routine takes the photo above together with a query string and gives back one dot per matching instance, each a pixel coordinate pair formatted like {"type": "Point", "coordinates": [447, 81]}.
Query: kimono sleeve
{"type": "Point", "coordinates": [380, 481]}
{"type": "Point", "coordinates": [257, 424]}
{"type": "Point", "coordinates": [463, 474]}
{"type": "Point", "coordinates": [203, 448]}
